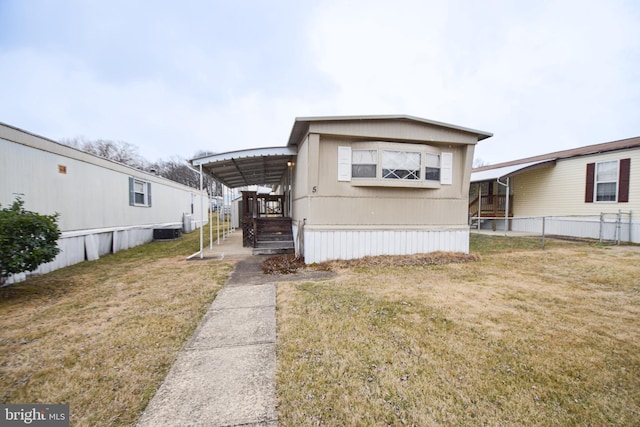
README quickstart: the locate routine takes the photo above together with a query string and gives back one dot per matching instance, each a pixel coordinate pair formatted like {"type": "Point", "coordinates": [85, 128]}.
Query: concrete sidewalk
{"type": "Point", "coordinates": [225, 375]}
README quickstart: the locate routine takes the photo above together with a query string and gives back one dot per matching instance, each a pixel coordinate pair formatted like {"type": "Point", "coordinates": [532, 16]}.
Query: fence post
{"type": "Point", "coordinates": [618, 226]}
{"type": "Point", "coordinates": [543, 221]}
{"type": "Point", "coordinates": [601, 222]}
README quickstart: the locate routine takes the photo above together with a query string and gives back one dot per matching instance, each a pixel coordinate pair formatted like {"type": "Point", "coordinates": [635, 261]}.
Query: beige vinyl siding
{"type": "Point", "coordinates": [301, 183]}
{"type": "Point", "coordinates": [560, 189]}
{"type": "Point", "coordinates": [401, 130]}
{"type": "Point", "coordinates": [342, 203]}
{"type": "Point", "coordinates": [371, 216]}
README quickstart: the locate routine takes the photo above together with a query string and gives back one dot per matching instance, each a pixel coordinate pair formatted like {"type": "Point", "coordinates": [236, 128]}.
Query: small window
{"type": "Point", "coordinates": [400, 165]}
{"type": "Point", "coordinates": [139, 192]}
{"type": "Point", "coordinates": [364, 163]}
{"type": "Point", "coordinates": [432, 172]}
{"type": "Point", "coordinates": [606, 181]}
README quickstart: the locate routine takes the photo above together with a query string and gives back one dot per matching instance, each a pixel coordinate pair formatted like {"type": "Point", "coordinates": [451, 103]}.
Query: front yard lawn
{"type": "Point", "coordinates": [523, 337]}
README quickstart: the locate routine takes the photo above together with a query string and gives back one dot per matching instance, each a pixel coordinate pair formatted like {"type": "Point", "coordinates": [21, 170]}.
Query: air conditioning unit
{"type": "Point", "coordinates": [166, 233]}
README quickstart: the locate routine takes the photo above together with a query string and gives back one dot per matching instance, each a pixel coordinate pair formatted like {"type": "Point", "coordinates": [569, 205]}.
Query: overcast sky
{"type": "Point", "coordinates": [175, 77]}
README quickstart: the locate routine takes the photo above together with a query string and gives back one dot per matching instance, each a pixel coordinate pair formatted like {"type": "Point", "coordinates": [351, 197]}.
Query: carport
{"type": "Point", "coordinates": [262, 227]}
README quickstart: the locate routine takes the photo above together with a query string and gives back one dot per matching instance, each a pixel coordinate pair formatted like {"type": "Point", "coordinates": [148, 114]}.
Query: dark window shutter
{"type": "Point", "coordinates": [623, 184]}
{"type": "Point", "coordinates": [588, 192]}
{"type": "Point", "coordinates": [149, 194]}
{"type": "Point", "coordinates": [132, 195]}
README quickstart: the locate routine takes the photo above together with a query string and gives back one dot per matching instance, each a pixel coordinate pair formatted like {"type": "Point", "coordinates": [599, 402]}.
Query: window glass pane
{"type": "Point", "coordinates": [606, 192]}
{"type": "Point", "coordinates": [364, 156]}
{"type": "Point", "coordinates": [138, 187]}
{"type": "Point", "coordinates": [400, 165]}
{"type": "Point", "coordinates": [433, 160]}
{"type": "Point", "coordinates": [433, 174]}
{"type": "Point", "coordinates": [363, 171]}
{"type": "Point", "coordinates": [139, 199]}
{"type": "Point", "coordinates": [364, 163]}
{"type": "Point", "coordinates": [607, 171]}
{"type": "Point", "coordinates": [400, 160]}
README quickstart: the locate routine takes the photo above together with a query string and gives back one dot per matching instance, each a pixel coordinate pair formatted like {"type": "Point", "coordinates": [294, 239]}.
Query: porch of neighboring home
{"type": "Point", "coordinates": [492, 205]}
{"type": "Point", "coordinates": [487, 207]}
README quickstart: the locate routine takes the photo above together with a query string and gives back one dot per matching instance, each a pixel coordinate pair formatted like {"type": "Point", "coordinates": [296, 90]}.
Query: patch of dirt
{"type": "Point", "coordinates": [290, 264]}
{"type": "Point", "coordinates": [433, 258]}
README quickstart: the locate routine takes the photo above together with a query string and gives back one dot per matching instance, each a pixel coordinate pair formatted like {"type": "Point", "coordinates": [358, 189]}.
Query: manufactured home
{"type": "Point", "coordinates": [103, 206]}
{"type": "Point", "coordinates": [591, 192]}
{"type": "Point", "coordinates": [352, 186]}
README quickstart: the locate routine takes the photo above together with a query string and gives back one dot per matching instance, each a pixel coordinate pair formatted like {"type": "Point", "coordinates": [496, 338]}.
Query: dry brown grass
{"type": "Point", "coordinates": [102, 335]}
{"type": "Point", "coordinates": [526, 337]}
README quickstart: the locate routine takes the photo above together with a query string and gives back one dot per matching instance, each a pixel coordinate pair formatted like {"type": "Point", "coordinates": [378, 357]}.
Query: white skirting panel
{"type": "Point", "coordinates": [324, 245]}
{"type": "Point", "coordinates": [89, 245]}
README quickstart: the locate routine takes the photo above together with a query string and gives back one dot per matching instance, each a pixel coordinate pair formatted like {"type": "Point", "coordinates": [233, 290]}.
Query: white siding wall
{"type": "Point", "coordinates": [89, 195]}
{"type": "Point", "coordinates": [92, 197]}
{"type": "Point", "coordinates": [326, 244]}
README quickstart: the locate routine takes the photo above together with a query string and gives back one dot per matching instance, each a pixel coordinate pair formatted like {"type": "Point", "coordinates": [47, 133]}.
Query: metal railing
{"type": "Point", "coordinates": [610, 228]}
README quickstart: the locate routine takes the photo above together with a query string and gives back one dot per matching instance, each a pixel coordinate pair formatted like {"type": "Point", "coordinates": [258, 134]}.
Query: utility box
{"type": "Point", "coordinates": [187, 225]}
{"type": "Point", "coordinates": [167, 233]}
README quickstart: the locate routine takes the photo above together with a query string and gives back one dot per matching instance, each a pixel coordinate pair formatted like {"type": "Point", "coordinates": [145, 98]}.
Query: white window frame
{"type": "Point", "coordinates": [345, 165]}
{"type": "Point", "coordinates": [374, 163]}
{"type": "Point", "coordinates": [133, 192]}
{"type": "Point", "coordinates": [427, 167]}
{"type": "Point", "coordinates": [412, 173]}
{"type": "Point", "coordinates": [615, 181]}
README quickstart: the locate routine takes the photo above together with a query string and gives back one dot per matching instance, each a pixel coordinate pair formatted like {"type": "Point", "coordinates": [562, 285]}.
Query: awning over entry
{"type": "Point", "coordinates": [260, 166]}
{"type": "Point", "coordinates": [508, 171]}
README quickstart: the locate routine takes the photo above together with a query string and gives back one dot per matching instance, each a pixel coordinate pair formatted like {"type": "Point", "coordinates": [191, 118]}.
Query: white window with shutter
{"type": "Point", "coordinates": [344, 163]}
{"type": "Point", "coordinates": [446, 168]}
{"type": "Point", "coordinates": [392, 164]}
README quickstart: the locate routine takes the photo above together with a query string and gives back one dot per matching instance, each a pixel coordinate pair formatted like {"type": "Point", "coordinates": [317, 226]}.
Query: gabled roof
{"type": "Point", "coordinates": [574, 152]}
{"type": "Point", "coordinates": [514, 167]}
{"type": "Point", "coordinates": [301, 124]}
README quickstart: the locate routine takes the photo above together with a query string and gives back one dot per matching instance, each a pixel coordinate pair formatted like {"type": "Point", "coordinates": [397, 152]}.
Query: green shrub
{"type": "Point", "coordinates": [27, 239]}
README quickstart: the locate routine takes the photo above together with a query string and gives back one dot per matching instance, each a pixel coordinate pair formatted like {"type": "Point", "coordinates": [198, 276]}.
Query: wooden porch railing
{"type": "Point", "coordinates": [493, 205]}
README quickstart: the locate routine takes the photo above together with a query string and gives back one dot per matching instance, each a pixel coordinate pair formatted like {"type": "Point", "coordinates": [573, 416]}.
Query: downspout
{"type": "Point", "coordinates": [479, 203]}
{"type": "Point", "coordinates": [219, 186]}
{"type": "Point", "coordinates": [210, 192]}
{"type": "Point", "coordinates": [506, 206]}
{"type": "Point", "coordinates": [201, 212]}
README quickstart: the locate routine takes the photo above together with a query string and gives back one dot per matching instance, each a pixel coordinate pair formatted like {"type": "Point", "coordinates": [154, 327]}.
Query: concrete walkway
{"type": "Point", "coordinates": [225, 375]}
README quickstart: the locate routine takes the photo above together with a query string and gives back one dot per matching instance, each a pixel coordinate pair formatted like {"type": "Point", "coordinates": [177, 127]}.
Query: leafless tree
{"type": "Point", "coordinates": [478, 163]}
{"type": "Point", "coordinates": [176, 168]}
{"type": "Point", "coordinates": [118, 151]}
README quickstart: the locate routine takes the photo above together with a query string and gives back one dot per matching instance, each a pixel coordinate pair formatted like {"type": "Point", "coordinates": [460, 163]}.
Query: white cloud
{"type": "Point", "coordinates": [551, 76]}
{"type": "Point", "coordinates": [541, 75]}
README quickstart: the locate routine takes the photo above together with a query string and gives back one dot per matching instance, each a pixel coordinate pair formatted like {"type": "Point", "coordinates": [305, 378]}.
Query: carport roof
{"type": "Point", "coordinates": [259, 166]}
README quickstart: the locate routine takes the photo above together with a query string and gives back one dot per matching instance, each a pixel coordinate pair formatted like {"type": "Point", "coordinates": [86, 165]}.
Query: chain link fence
{"type": "Point", "coordinates": [609, 228]}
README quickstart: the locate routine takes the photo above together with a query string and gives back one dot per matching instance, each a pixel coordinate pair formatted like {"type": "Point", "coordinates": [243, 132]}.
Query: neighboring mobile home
{"type": "Point", "coordinates": [354, 186]}
{"type": "Point", "coordinates": [591, 191]}
{"type": "Point", "coordinates": [104, 206]}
